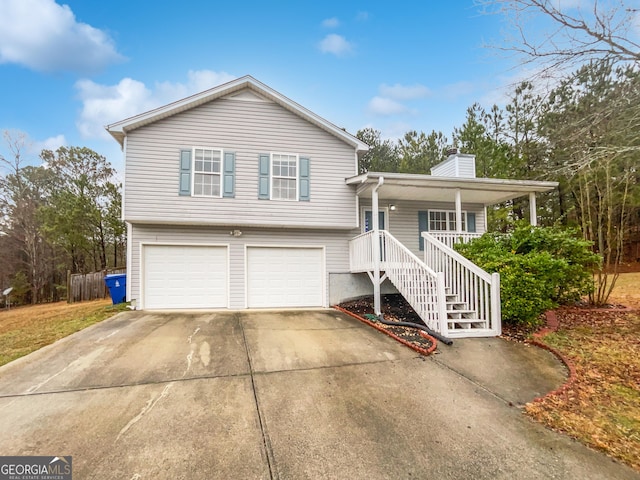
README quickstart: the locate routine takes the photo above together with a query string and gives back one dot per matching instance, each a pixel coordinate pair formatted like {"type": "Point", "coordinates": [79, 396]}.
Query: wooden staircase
{"type": "Point", "coordinates": [460, 316]}
{"type": "Point", "coordinates": [453, 296]}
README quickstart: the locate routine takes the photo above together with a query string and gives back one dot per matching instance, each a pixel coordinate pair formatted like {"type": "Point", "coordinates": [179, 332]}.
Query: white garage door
{"type": "Point", "coordinates": [179, 276]}
{"type": "Point", "coordinates": [284, 277]}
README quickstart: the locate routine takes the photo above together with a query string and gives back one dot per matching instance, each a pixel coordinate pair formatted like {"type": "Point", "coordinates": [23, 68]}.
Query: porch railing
{"type": "Point", "coordinates": [451, 238]}
{"type": "Point", "coordinates": [422, 287]}
{"type": "Point", "coordinates": [361, 253]}
{"type": "Point", "coordinates": [479, 290]}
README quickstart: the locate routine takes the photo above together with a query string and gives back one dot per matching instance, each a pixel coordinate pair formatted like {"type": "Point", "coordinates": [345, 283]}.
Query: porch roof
{"type": "Point", "coordinates": [408, 186]}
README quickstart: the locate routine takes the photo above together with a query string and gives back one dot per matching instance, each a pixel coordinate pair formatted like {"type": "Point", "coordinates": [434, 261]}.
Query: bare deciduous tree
{"type": "Point", "coordinates": [575, 33]}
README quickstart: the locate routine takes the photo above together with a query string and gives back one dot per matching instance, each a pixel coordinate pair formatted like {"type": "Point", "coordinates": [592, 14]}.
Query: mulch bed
{"type": "Point", "coordinates": [395, 309]}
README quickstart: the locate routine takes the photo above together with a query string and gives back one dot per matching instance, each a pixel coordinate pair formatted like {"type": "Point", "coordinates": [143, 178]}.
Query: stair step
{"type": "Point", "coordinates": [462, 304]}
{"type": "Point", "coordinates": [460, 312]}
{"type": "Point", "coordinates": [467, 324]}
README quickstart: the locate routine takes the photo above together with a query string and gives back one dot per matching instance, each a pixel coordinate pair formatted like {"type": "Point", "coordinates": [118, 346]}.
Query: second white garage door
{"type": "Point", "coordinates": [285, 277]}
{"type": "Point", "coordinates": [185, 276]}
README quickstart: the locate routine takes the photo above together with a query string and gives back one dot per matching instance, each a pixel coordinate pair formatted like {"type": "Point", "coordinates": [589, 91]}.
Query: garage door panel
{"type": "Point", "coordinates": [284, 277]}
{"type": "Point", "coordinates": [179, 276]}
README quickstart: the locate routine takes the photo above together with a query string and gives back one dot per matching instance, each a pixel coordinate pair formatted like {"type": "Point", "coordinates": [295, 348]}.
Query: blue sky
{"type": "Point", "coordinates": [67, 69]}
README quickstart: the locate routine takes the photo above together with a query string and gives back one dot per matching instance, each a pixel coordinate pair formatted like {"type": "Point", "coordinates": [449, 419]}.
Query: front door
{"type": "Point", "coordinates": [368, 220]}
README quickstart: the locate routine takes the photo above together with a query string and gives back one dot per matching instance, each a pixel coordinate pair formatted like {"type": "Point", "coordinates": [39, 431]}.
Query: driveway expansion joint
{"type": "Point", "coordinates": [475, 383]}
{"type": "Point", "coordinates": [123, 385]}
{"type": "Point", "coordinates": [261, 421]}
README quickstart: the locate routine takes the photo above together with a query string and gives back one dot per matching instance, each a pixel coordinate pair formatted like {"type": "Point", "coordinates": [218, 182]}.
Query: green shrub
{"type": "Point", "coordinates": [539, 267]}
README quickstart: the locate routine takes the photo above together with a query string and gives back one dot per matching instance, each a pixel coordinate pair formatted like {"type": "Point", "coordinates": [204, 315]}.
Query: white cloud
{"type": "Point", "coordinates": [197, 81]}
{"type": "Point", "coordinates": [505, 85]}
{"type": "Point", "coordinates": [332, 22]}
{"type": "Point", "coordinates": [45, 36]}
{"type": "Point", "coordinates": [51, 143]}
{"type": "Point", "coordinates": [396, 130]}
{"type": "Point", "coordinates": [404, 92]}
{"type": "Point", "coordinates": [105, 104]}
{"type": "Point", "coordinates": [335, 44]}
{"type": "Point", "coordinates": [362, 16]}
{"type": "Point", "coordinates": [458, 89]}
{"type": "Point", "coordinates": [386, 106]}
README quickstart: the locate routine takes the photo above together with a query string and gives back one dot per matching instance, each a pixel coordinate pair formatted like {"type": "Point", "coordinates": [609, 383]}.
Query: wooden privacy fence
{"type": "Point", "coordinates": [89, 286]}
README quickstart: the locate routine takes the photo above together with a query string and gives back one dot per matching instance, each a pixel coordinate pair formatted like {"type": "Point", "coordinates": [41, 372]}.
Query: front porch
{"type": "Point", "coordinates": [410, 244]}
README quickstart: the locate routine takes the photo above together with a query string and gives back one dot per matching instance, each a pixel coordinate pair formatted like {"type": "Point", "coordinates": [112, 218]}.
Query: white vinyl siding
{"type": "Point", "coordinates": [403, 221]}
{"type": "Point", "coordinates": [206, 172]}
{"type": "Point", "coordinates": [460, 165]}
{"type": "Point", "coordinates": [335, 243]}
{"type": "Point", "coordinates": [248, 128]}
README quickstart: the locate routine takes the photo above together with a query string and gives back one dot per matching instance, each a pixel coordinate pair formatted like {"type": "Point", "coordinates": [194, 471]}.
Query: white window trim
{"type": "Point", "coordinates": [464, 219]}
{"type": "Point", "coordinates": [363, 211]}
{"type": "Point", "coordinates": [271, 177]}
{"type": "Point", "coordinates": [193, 171]}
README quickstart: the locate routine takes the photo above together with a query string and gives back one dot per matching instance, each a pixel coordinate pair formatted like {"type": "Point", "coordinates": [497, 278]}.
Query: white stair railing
{"type": "Point", "coordinates": [422, 287]}
{"type": "Point", "coordinates": [361, 253]}
{"type": "Point", "coordinates": [450, 238]}
{"type": "Point", "coordinates": [479, 290]}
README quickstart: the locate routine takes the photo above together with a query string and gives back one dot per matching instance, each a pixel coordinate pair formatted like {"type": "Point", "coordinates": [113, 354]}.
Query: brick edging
{"type": "Point", "coordinates": [423, 351]}
{"type": "Point", "coordinates": [552, 326]}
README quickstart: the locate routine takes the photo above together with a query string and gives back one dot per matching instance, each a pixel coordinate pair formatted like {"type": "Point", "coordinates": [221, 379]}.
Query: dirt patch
{"type": "Point", "coordinates": [395, 309]}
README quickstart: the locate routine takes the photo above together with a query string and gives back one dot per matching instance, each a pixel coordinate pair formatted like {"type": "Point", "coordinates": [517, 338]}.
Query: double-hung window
{"type": "Point", "coordinates": [445, 221]}
{"type": "Point", "coordinates": [284, 177]}
{"type": "Point", "coordinates": [206, 172]}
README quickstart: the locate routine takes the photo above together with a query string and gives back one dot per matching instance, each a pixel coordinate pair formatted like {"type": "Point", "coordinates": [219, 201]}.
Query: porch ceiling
{"type": "Point", "coordinates": [425, 188]}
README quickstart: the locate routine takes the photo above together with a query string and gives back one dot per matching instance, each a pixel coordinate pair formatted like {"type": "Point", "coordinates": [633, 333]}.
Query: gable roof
{"type": "Point", "coordinates": [120, 129]}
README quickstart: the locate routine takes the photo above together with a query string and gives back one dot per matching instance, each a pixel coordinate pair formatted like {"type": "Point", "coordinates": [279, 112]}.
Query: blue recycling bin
{"type": "Point", "coordinates": [117, 285]}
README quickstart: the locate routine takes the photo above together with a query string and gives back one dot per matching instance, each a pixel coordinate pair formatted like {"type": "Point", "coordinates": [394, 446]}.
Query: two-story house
{"type": "Point", "coordinates": [238, 197]}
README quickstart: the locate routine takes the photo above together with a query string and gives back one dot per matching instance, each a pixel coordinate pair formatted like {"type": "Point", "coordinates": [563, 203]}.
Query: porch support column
{"type": "Point", "coordinates": [375, 248]}
{"type": "Point", "coordinates": [533, 214]}
{"type": "Point", "coordinates": [458, 211]}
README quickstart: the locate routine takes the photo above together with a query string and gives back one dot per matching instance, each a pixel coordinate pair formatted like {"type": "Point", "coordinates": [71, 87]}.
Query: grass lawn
{"type": "Point", "coordinates": [602, 407]}
{"type": "Point", "coordinates": [28, 328]}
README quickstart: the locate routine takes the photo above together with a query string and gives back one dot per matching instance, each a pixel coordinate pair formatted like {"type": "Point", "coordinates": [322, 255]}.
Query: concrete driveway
{"type": "Point", "coordinates": [290, 395]}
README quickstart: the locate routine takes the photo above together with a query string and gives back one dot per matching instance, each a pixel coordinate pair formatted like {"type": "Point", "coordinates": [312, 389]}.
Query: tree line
{"type": "Point", "coordinates": [584, 134]}
{"type": "Point", "coordinates": [60, 216]}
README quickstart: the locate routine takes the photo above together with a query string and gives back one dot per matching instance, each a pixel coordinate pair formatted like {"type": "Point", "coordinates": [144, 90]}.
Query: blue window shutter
{"type": "Point", "coordinates": [423, 226]}
{"type": "Point", "coordinates": [229, 175]}
{"type": "Point", "coordinates": [185, 172]}
{"type": "Point", "coordinates": [305, 172]}
{"type": "Point", "coordinates": [471, 222]}
{"type": "Point", "coordinates": [263, 180]}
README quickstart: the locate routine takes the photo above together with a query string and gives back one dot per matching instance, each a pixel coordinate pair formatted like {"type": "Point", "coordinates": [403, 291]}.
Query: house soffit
{"type": "Point", "coordinates": [426, 188]}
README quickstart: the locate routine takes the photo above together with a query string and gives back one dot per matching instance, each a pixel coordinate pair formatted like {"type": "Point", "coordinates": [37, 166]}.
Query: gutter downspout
{"type": "Point", "coordinates": [375, 247]}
